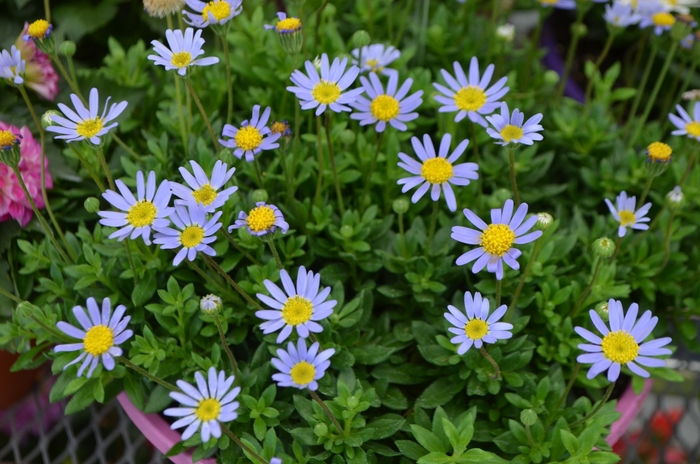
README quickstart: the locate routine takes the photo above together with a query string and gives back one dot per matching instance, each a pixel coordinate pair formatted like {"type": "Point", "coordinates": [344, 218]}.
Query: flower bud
{"type": "Point", "coordinates": [10, 152]}
{"type": "Point", "coordinates": [680, 29]}
{"type": "Point", "coordinates": [47, 118]}
{"type": "Point", "coordinates": [67, 48]}
{"type": "Point", "coordinates": [674, 198]}
{"type": "Point", "coordinates": [347, 231]}
{"type": "Point", "coordinates": [400, 205]}
{"type": "Point", "coordinates": [26, 309]}
{"type": "Point", "coordinates": [91, 204]}
{"type": "Point", "coordinates": [604, 247]}
{"type": "Point", "coordinates": [551, 77]}
{"type": "Point", "coordinates": [260, 195]}
{"type": "Point", "coordinates": [321, 429]}
{"type": "Point", "coordinates": [659, 152]}
{"type": "Point", "coordinates": [544, 220]}
{"type": "Point", "coordinates": [317, 63]}
{"type": "Point", "coordinates": [579, 29]}
{"type": "Point", "coordinates": [602, 310]}
{"type": "Point", "coordinates": [499, 197]}
{"type": "Point", "coordinates": [347, 136]}
{"type": "Point", "coordinates": [360, 39]}
{"type": "Point", "coordinates": [210, 304]}
{"type": "Point", "coordinates": [293, 40]}
{"type": "Point", "coordinates": [528, 416]}
{"type": "Point", "coordinates": [506, 32]}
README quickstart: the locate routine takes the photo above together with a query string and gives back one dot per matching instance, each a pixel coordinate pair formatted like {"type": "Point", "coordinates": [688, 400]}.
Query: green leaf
{"type": "Point", "coordinates": [81, 400]}
{"type": "Point", "coordinates": [603, 457]}
{"type": "Point", "coordinates": [479, 456]}
{"type": "Point", "coordinates": [158, 400]}
{"type": "Point", "coordinates": [434, 458]}
{"type": "Point", "coordinates": [570, 442]}
{"type": "Point", "coordinates": [134, 390]}
{"type": "Point", "coordinates": [439, 392]}
{"type": "Point", "coordinates": [410, 449]}
{"type": "Point", "coordinates": [371, 354]}
{"type": "Point", "coordinates": [144, 290]}
{"type": "Point", "coordinates": [386, 426]}
{"type": "Point", "coordinates": [428, 439]}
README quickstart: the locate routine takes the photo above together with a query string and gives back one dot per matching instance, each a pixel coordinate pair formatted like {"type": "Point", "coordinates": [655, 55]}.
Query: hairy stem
{"type": "Point", "coordinates": [327, 410]}
{"type": "Point", "coordinates": [197, 102]}
{"type": "Point", "coordinates": [224, 343]}
{"type": "Point", "coordinates": [496, 371]}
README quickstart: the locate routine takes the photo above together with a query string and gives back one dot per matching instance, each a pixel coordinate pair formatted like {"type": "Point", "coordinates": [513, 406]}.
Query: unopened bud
{"type": "Point", "coordinates": [260, 195]}
{"type": "Point", "coordinates": [680, 29]}
{"type": "Point", "coordinates": [675, 197]}
{"type": "Point", "coordinates": [602, 310]}
{"type": "Point", "coordinates": [528, 416]}
{"type": "Point", "coordinates": [210, 304]}
{"type": "Point", "coordinates": [67, 48]}
{"type": "Point", "coordinates": [317, 63]}
{"type": "Point", "coordinates": [347, 136]}
{"type": "Point", "coordinates": [347, 231]}
{"type": "Point", "coordinates": [604, 247]}
{"type": "Point", "coordinates": [401, 205]}
{"type": "Point", "coordinates": [91, 204]}
{"type": "Point", "coordinates": [579, 29]}
{"type": "Point", "coordinates": [26, 309]}
{"type": "Point", "coordinates": [544, 220]}
{"type": "Point", "coordinates": [506, 32]}
{"type": "Point", "coordinates": [360, 39]}
{"type": "Point", "coordinates": [47, 118]}
{"type": "Point", "coordinates": [551, 77]}
{"type": "Point", "coordinates": [321, 429]}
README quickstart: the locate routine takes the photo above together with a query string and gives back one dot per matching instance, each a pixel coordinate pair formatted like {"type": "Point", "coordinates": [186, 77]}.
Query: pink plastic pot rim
{"type": "Point", "coordinates": [158, 432]}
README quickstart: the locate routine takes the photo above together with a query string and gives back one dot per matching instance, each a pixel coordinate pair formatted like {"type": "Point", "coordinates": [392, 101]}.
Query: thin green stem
{"type": "Point", "coordinates": [433, 226]}
{"type": "Point", "coordinates": [197, 102]}
{"type": "Point", "coordinates": [270, 239]}
{"type": "Point", "coordinates": [372, 167]}
{"type": "Point", "coordinates": [238, 441]}
{"type": "Point", "coordinates": [647, 187]}
{"type": "Point", "coordinates": [47, 11]}
{"type": "Point", "coordinates": [402, 26]}
{"type": "Point", "coordinates": [44, 195]}
{"type": "Point", "coordinates": [640, 89]}
{"type": "Point", "coordinates": [327, 410]}
{"type": "Point", "coordinates": [496, 371]}
{"type": "Point", "coordinates": [599, 61]}
{"type": "Point", "coordinates": [89, 169]}
{"type": "Point", "coordinates": [584, 293]}
{"type": "Point", "coordinates": [499, 289]}
{"type": "Point", "coordinates": [232, 282]}
{"type": "Point", "coordinates": [654, 93]}
{"type": "Point", "coordinates": [258, 173]}
{"type": "Point", "coordinates": [130, 258]}
{"type": "Point", "coordinates": [126, 147]}
{"type": "Point", "coordinates": [71, 69]}
{"type": "Point", "coordinates": [66, 76]}
{"type": "Point", "coordinates": [667, 240]}
{"type": "Point", "coordinates": [41, 219]}
{"type": "Point", "coordinates": [617, 250]}
{"type": "Point", "coordinates": [229, 83]}
{"type": "Point", "coordinates": [533, 48]}
{"type": "Point", "coordinates": [224, 343]}
{"type": "Point", "coordinates": [691, 163]}
{"type": "Point", "coordinates": [598, 407]}
{"type": "Point", "coordinates": [513, 182]}
{"type": "Point", "coordinates": [331, 156]}
{"type": "Point", "coordinates": [318, 25]}
{"type": "Point", "coordinates": [52, 330]}
{"type": "Point", "coordinates": [402, 235]}
{"type": "Point", "coordinates": [240, 249]}
{"type": "Point", "coordinates": [208, 278]}
{"type": "Point", "coordinates": [390, 21]}
{"type": "Point", "coordinates": [105, 167]}
{"type": "Point", "coordinates": [521, 283]}
{"type": "Point", "coordinates": [11, 296]}
{"type": "Point", "coordinates": [147, 374]}
{"type": "Point", "coordinates": [562, 399]}
{"type": "Point", "coordinates": [575, 37]}
{"type": "Point", "coordinates": [492, 28]}
{"type": "Point", "coordinates": [319, 179]}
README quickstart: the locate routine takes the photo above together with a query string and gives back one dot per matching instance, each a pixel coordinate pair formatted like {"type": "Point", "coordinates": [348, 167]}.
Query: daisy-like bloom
{"type": "Point", "coordinates": [38, 30]}
{"type": "Point", "coordinates": [201, 189]}
{"type": "Point", "coordinates": [623, 343]}
{"type": "Point", "coordinates": [149, 209]}
{"type": "Point", "coordinates": [285, 25]}
{"type": "Point", "coordinates": [496, 240]}
{"type": "Point", "coordinates": [658, 17]}
{"type": "Point", "coordinates": [376, 58]}
{"type": "Point", "coordinates": [328, 89]}
{"type": "Point", "coordinates": [39, 74]}
{"type": "Point", "coordinates": [101, 332]}
{"type": "Point", "coordinates": [9, 139]}
{"type": "Point", "coordinates": [301, 367]}
{"type": "Point", "coordinates": [620, 14]}
{"type": "Point", "coordinates": [509, 128]}
{"type": "Point", "coordinates": [297, 307]}
{"type": "Point", "coordinates": [85, 123]}
{"type": "Point", "coordinates": [261, 220]}
{"type": "Point", "coordinates": [470, 97]}
{"type": "Point", "coordinates": [210, 303]}
{"type": "Point", "coordinates": [476, 327]}
{"type": "Point", "coordinates": [392, 107]}
{"type": "Point", "coordinates": [206, 405]}
{"type": "Point", "coordinates": [194, 232]}
{"type": "Point", "coordinates": [560, 4]}
{"type": "Point", "coordinates": [626, 215]}
{"type": "Point", "coordinates": [281, 127]}
{"type": "Point", "coordinates": [659, 152]}
{"type": "Point", "coordinates": [12, 65]}
{"type": "Point", "coordinates": [685, 125]}
{"type": "Point", "coordinates": [214, 12]}
{"type": "Point", "coordinates": [183, 52]}
{"type": "Point", "coordinates": [436, 172]}
{"type": "Point", "coordinates": [162, 8]}
{"type": "Point", "coordinates": [252, 138]}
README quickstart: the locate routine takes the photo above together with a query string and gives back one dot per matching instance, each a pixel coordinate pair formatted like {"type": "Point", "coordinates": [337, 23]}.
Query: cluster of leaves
{"type": "Point", "coordinates": [396, 383]}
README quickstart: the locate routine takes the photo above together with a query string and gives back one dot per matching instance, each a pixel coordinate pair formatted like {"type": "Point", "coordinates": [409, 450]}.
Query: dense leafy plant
{"type": "Point", "coordinates": [397, 389]}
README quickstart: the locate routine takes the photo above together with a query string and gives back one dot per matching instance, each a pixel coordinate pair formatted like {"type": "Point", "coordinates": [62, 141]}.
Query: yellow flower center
{"type": "Point", "coordinates": [374, 65]}
{"type": "Point", "coordinates": [220, 10]}
{"type": "Point", "coordinates": [548, 2]}
{"type": "Point", "coordinates": [626, 217]}
{"type": "Point", "coordinates": [297, 310]}
{"type": "Point", "coordinates": [288, 25]}
{"type": "Point", "coordinates": [693, 128]}
{"type": "Point", "coordinates": [208, 410]}
{"type": "Point", "coordinates": [181, 59]}
{"type": "Point", "coordinates": [436, 170]}
{"type": "Point", "coordinates": [141, 214]}
{"type": "Point", "coordinates": [470, 98]}
{"type": "Point", "coordinates": [326, 92]}
{"type": "Point", "coordinates": [204, 194]}
{"type": "Point", "coordinates": [98, 340]}
{"type": "Point", "coordinates": [89, 127]}
{"type": "Point", "coordinates": [191, 236]}
{"type": "Point", "coordinates": [261, 218]}
{"type": "Point", "coordinates": [660, 152]}
{"type": "Point", "coordinates": [38, 29]}
{"type": "Point", "coordinates": [384, 107]}
{"type": "Point", "coordinates": [476, 329]}
{"type": "Point", "coordinates": [511, 132]}
{"type": "Point", "coordinates": [248, 138]}
{"type": "Point", "coordinates": [663, 19]}
{"type": "Point", "coordinates": [497, 239]}
{"type": "Point", "coordinates": [279, 127]}
{"type": "Point", "coordinates": [620, 347]}
{"type": "Point", "coordinates": [7, 139]}
{"type": "Point", "coordinates": [303, 373]}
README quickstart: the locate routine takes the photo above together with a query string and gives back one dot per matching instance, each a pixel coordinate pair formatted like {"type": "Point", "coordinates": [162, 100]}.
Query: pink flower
{"type": "Point", "coordinates": [13, 203]}
{"type": "Point", "coordinates": [39, 74]}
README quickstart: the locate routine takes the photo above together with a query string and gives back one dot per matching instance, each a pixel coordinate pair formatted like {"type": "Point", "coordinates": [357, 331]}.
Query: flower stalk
{"type": "Point", "coordinates": [327, 410]}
